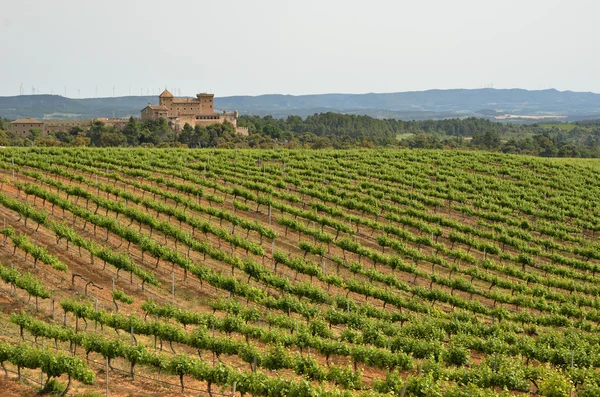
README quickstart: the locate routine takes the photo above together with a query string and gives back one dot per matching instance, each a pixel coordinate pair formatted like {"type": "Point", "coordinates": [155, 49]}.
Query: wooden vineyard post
{"type": "Point", "coordinates": [233, 388]}
{"type": "Point", "coordinates": [106, 372]}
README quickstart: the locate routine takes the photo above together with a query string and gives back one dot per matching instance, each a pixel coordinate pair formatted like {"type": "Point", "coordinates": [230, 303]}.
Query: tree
{"type": "Point", "coordinates": [132, 132]}
{"type": "Point", "coordinates": [156, 132]}
{"type": "Point", "coordinates": [321, 143]}
{"type": "Point", "coordinates": [35, 133]}
{"type": "Point", "coordinates": [273, 131]}
{"type": "Point", "coordinates": [111, 138]}
{"type": "Point", "coordinates": [4, 140]}
{"type": "Point", "coordinates": [76, 130]}
{"type": "Point", "coordinates": [81, 141]}
{"type": "Point", "coordinates": [486, 140]}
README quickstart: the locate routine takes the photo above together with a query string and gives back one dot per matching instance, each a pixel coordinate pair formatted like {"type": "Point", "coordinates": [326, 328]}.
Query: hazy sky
{"type": "Point", "coordinates": [245, 47]}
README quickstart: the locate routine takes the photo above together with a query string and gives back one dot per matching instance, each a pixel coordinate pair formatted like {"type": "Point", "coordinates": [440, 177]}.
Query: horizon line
{"type": "Point", "coordinates": [317, 94]}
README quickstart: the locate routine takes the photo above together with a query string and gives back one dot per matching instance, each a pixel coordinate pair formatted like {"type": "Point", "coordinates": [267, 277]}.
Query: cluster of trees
{"type": "Point", "coordinates": [341, 131]}
{"type": "Point", "coordinates": [544, 144]}
{"type": "Point", "coordinates": [377, 131]}
{"type": "Point", "coordinates": [4, 124]}
{"type": "Point", "coordinates": [330, 125]}
{"type": "Point", "coordinates": [148, 134]}
{"type": "Point", "coordinates": [338, 131]}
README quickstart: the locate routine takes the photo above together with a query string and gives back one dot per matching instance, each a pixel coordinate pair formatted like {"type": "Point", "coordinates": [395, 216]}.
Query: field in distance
{"type": "Point", "coordinates": [167, 272]}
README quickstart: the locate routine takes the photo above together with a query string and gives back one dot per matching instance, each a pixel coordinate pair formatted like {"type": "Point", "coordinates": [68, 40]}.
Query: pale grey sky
{"type": "Point", "coordinates": [244, 47]}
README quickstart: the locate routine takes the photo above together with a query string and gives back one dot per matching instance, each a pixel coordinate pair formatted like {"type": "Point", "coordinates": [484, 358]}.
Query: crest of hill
{"type": "Point", "coordinates": [402, 105]}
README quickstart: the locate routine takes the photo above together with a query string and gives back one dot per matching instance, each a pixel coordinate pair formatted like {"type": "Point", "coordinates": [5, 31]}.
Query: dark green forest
{"type": "Point", "coordinates": [578, 139]}
{"type": "Point", "coordinates": [339, 131]}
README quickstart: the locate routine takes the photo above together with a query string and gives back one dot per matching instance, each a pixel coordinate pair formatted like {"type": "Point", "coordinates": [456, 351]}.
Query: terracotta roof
{"type": "Point", "coordinates": [157, 107]}
{"type": "Point", "coordinates": [27, 121]}
{"type": "Point", "coordinates": [185, 100]}
{"type": "Point", "coordinates": [166, 94]}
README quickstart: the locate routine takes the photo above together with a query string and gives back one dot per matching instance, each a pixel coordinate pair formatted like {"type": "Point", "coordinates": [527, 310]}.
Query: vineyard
{"type": "Point", "coordinates": [298, 273]}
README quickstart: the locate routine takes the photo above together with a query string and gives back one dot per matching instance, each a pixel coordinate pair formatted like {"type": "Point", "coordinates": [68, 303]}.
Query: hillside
{"type": "Point", "coordinates": [418, 105]}
{"type": "Point", "coordinates": [300, 273]}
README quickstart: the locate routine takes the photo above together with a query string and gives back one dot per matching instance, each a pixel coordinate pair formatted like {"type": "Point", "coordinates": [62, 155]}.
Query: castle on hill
{"type": "Point", "coordinates": [193, 111]}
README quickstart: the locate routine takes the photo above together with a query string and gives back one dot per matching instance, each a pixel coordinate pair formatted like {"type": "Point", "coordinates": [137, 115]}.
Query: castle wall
{"type": "Point", "coordinates": [216, 118]}
{"type": "Point", "coordinates": [202, 104]}
{"type": "Point", "coordinates": [153, 114]}
{"type": "Point", "coordinates": [207, 102]}
{"type": "Point", "coordinates": [148, 114]}
{"type": "Point", "coordinates": [188, 118]}
{"type": "Point", "coordinates": [180, 109]}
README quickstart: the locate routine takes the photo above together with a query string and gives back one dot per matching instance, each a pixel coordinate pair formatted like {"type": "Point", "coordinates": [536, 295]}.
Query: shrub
{"type": "Point", "coordinates": [554, 384]}
{"type": "Point", "coordinates": [456, 355]}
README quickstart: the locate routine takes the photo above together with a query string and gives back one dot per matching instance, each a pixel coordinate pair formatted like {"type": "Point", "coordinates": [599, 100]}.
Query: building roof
{"type": "Point", "coordinates": [26, 121]}
{"type": "Point", "coordinates": [157, 107]}
{"type": "Point", "coordinates": [186, 100]}
{"type": "Point", "coordinates": [166, 94]}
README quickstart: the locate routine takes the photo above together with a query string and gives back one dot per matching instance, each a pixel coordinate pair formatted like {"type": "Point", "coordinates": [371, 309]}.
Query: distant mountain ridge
{"type": "Point", "coordinates": [431, 104]}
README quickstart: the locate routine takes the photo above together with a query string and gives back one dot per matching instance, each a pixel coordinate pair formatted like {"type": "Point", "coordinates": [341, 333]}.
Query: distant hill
{"type": "Point", "coordinates": [417, 105]}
